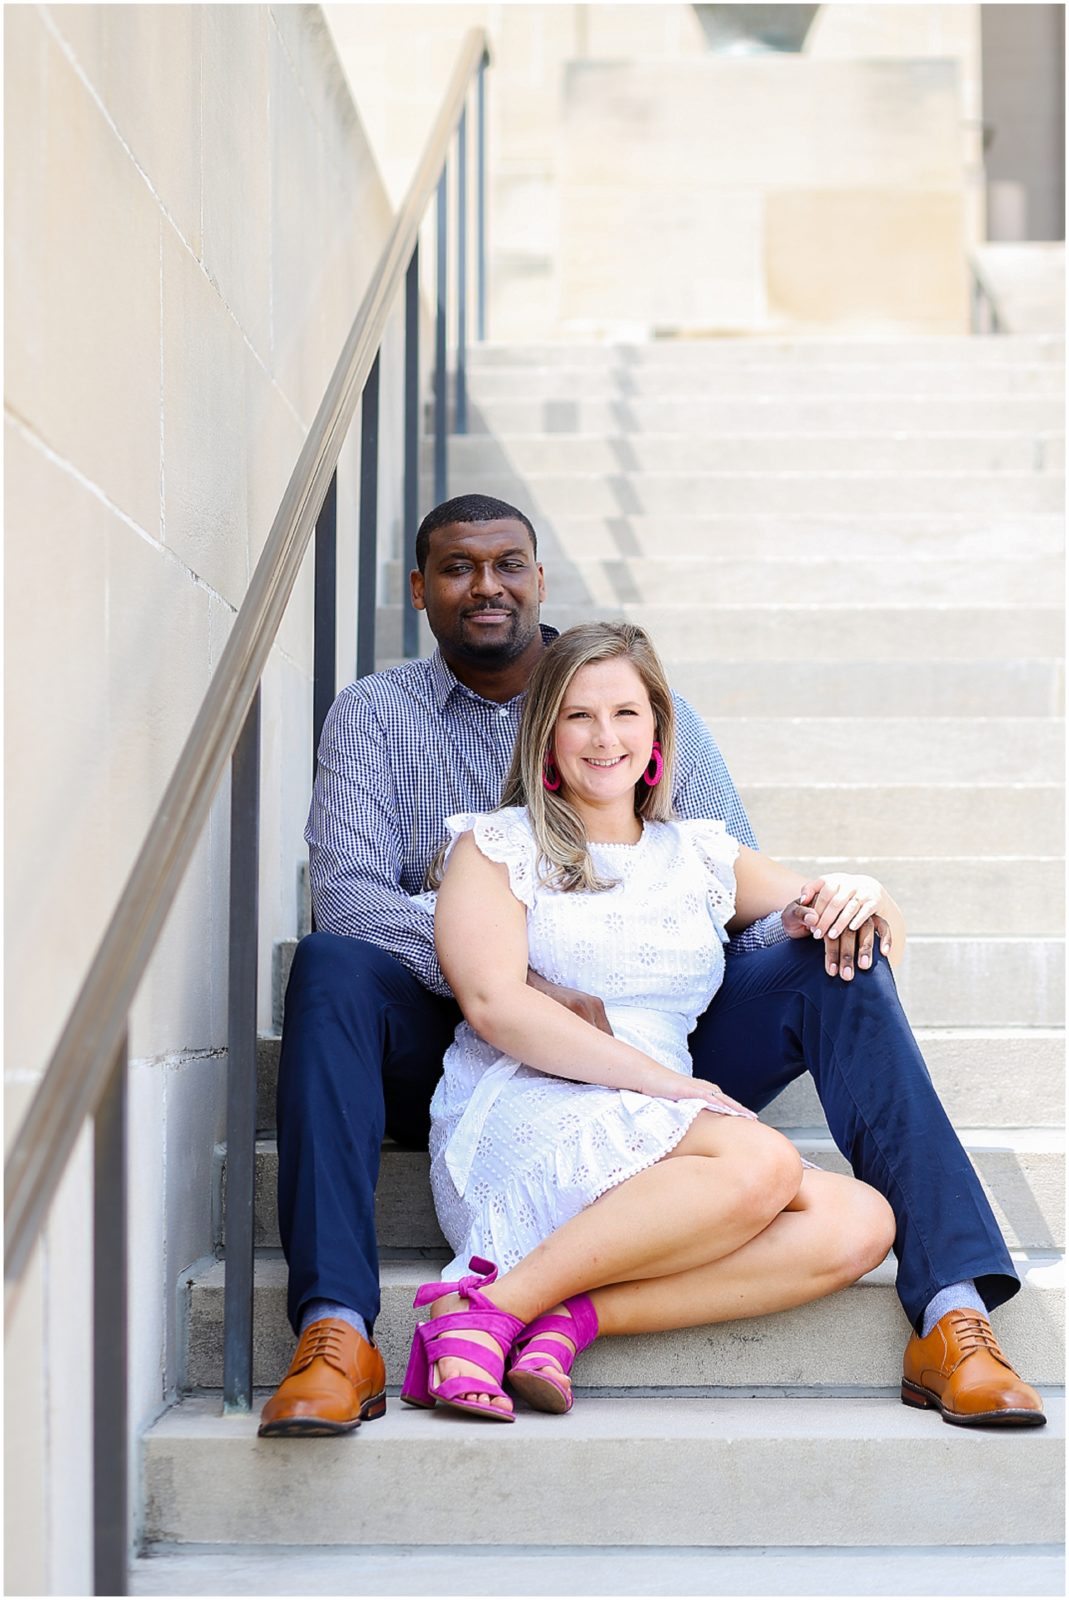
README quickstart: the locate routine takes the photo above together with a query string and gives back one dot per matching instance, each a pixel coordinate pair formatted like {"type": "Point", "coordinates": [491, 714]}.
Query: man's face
{"type": "Point", "coordinates": [481, 590]}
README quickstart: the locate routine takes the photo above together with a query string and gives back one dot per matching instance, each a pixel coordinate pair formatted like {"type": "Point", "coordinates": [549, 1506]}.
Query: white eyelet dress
{"type": "Point", "coordinates": [516, 1152]}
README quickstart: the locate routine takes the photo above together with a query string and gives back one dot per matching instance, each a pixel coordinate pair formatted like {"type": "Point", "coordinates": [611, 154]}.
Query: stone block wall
{"type": "Point", "coordinates": [192, 215]}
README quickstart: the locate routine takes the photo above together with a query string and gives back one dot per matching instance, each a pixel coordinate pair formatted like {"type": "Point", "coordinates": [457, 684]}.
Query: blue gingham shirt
{"type": "Point", "coordinates": [402, 750]}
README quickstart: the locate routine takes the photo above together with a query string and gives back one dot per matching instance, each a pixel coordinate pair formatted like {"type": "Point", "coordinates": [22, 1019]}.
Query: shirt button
{"type": "Point", "coordinates": [502, 711]}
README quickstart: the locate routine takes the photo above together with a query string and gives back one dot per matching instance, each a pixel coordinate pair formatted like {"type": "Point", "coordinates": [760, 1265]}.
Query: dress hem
{"type": "Point", "coordinates": [644, 1166]}
{"type": "Point", "coordinates": [456, 1267]}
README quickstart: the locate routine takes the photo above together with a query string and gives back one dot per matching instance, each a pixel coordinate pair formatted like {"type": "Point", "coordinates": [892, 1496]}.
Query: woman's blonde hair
{"type": "Point", "coordinates": [558, 830]}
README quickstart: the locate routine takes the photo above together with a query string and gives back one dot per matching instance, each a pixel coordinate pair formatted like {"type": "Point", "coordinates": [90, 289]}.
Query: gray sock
{"type": "Point", "coordinates": [316, 1310]}
{"type": "Point", "coordinates": [955, 1297]}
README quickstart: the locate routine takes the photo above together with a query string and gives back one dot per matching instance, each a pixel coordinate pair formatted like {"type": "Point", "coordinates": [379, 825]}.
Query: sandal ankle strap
{"type": "Point", "coordinates": [581, 1327]}
{"type": "Point", "coordinates": [485, 1272]}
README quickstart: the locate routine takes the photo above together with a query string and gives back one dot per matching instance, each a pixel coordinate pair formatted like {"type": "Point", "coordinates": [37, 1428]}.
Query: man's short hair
{"type": "Point", "coordinates": [467, 508]}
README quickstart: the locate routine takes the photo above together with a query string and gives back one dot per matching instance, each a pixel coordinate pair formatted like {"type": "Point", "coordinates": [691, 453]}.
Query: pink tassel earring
{"type": "Point", "coordinates": [550, 775]}
{"type": "Point", "coordinates": [655, 769]}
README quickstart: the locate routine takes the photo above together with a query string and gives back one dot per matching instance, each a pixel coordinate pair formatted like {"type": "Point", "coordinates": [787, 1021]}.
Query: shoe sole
{"type": "Point", "coordinates": [322, 1427]}
{"type": "Point", "coordinates": [541, 1394]}
{"type": "Point", "coordinates": [491, 1413]}
{"type": "Point", "coordinates": [913, 1394]}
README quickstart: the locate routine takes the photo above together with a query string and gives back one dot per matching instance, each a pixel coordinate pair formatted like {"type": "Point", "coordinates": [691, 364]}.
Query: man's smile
{"type": "Point", "coordinates": [488, 614]}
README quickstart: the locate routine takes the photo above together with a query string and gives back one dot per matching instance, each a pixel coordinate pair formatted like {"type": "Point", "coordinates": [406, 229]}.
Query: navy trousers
{"type": "Point", "coordinates": [778, 1014]}
{"type": "Point", "coordinates": [362, 1048]}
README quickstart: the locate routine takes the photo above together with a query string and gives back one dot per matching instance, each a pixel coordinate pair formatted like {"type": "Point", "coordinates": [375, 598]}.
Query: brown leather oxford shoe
{"type": "Point", "coordinates": [336, 1380]}
{"type": "Point", "coordinates": [960, 1369]}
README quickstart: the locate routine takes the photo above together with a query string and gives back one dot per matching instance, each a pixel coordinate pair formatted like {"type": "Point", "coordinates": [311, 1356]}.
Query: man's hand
{"type": "Point", "coordinates": [587, 1006]}
{"type": "Point", "coordinates": [840, 909]}
{"type": "Point", "coordinates": [793, 919]}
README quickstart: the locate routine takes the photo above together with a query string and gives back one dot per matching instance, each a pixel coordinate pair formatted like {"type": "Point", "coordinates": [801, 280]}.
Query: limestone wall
{"type": "Point", "coordinates": [398, 59]}
{"type": "Point", "coordinates": [773, 193]}
{"type": "Point", "coordinates": [192, 214]}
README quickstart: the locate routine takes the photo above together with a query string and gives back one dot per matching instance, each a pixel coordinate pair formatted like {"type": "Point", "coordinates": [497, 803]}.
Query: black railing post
{"type": "Point", "coordinates": [325, 613]}
{"type": "Point", "coordinates": [410, 617]}
{"type": "Point", "coordinates": [111, 1529]}
{"type": "Point", "coordinates": [480, 203]}
{"type": "Point", "coordinates": [440, 419]}
{"type": "Point", "coordinates": [367, 561]}
{"type": "Point", "coordinates": [461, 422]}
{"type": "Point", "coordinates": [241, 1061]}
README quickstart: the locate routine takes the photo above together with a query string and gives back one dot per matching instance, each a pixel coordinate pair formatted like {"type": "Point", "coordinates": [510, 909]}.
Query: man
{"type": "Point", "coordinates": [369, 1016]}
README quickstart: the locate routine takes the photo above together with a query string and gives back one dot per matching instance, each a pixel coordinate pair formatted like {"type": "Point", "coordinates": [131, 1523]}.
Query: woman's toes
{"type": "Point", "coordinates": [454, 1367]}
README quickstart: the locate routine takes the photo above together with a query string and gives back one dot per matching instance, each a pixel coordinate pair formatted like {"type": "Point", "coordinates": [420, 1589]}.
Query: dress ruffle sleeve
{"type": "Point", "coordinates": [718, 851]}
{"type": "Point", "coordinates": [503, 836]}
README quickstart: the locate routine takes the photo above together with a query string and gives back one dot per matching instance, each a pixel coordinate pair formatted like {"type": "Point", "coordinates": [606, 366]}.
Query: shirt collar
{"type": "Point", "coordinates": [444, 682]}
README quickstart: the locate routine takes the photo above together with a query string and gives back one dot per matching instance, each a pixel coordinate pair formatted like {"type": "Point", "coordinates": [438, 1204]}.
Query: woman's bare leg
{"type": "Point", "coordinates": [720, 1187]}
{"type": "Point", "coordinates": [834, 1231]}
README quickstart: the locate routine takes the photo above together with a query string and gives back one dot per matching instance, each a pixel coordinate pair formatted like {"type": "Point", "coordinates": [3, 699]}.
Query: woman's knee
{"type": "Point", "coordinates": [768, 1171]}
{"type": "Point", "coordinates": [865, 1231]}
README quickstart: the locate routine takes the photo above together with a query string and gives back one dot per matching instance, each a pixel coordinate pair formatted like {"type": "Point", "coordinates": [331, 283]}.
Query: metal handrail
{"type": "Point", "coordinates": [87, 1075]}
{"type": "Point", "coordinates": [87, 1055]}
{"type": "Point", "coordinates": [984, 313]}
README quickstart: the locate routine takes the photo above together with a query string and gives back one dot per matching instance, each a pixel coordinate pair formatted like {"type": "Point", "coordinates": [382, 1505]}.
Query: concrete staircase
{"type": "Point", "coordinates": [849, 555]}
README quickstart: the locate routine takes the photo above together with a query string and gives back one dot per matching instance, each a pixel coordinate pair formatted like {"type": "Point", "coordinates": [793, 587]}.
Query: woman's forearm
{"type": "Point", "coordinates": [529, 1026]}
{"type": "Point", "coordinates": [481, 934]}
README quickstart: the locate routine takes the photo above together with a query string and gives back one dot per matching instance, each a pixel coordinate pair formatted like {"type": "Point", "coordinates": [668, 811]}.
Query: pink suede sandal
{"type": "Point", "coordinates": [436, 1338]}
{"type": "Point", "coordinates": [536, 1374]}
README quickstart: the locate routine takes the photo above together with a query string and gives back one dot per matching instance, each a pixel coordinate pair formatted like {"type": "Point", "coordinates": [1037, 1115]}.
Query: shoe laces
{"type": "Point", "coordinates": [322, 1340]}
{"type": "Point", "coordinates": [974, 1332]}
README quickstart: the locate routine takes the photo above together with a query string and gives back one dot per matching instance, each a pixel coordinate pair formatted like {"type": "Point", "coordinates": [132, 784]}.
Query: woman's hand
{"type": "Point", "coordinates": [699, 1089]}
{"type": "Point", "coordinates": [846, 911]}
{"type": "Point", "coordinates": [840, 900]}
{"type": "Point", "coordinates": [836, 909]}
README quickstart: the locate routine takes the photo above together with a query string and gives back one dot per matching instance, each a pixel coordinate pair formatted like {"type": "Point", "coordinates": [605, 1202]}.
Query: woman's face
{"type": "Point", "coordinates": [604, 734]}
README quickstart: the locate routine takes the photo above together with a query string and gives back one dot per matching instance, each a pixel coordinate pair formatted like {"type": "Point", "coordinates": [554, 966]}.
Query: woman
{"type": "Point", "coordinates": [619, 1193]}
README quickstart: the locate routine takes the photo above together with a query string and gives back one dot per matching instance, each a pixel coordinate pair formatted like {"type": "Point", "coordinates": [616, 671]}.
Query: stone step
{"type": "Point", "coordinates": [891, 749]}
{"type": "Point", "coordinates": [827, 380]}
{"type": "Point", "coordinates": [1000, 896]}
{"type": "Point", "coordinates": [976, 820]}
{"type": "Point", "coordinates": [605, 583]}
{"type": "Point", "coordinates": [542, 495]}
{"type": "Point", "coordinates": [805, 822]}
{"type": "Point", "coordinates": [619, 1472]}
{"type": "Point", "coordinates": [845, 635]}
{"type": "Point", "coordinates": [954, 981]}
{"type": "Point", "coordinates": [839, 633]}
{"type": "Point", "coordinates": [706, 355]}
{"type": "Point", "coordinates": [958, 982]}
{"type": "Point", "coordinates": [853, 1339]}
{"type": "Point", "coordinates": [438, 1570]}
{"type": "Point", "coordinates": [767, 413]}
{"type": "Point", "coordinates": [1010, 1077]}
{"type": "Point", "coordinates": [796, 450]}
{"type": "Point", "coordinates": [1022, 1171]}
{"type": "Point", "coordinates": [911, 538]}
{"type": "Point", "coordinates": [852, 689]}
